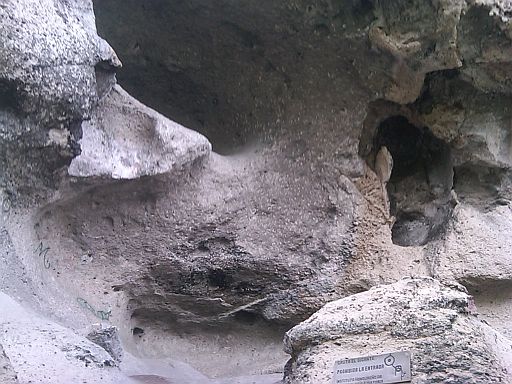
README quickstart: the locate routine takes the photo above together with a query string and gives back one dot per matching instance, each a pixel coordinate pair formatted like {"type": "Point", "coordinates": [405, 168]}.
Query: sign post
{"type": "Point", "coordinates": [388, 368]}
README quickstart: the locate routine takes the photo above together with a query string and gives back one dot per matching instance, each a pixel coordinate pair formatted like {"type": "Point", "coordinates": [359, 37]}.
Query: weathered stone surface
{"type": "Point", "coordinates": [125, 139]}
{"type": "Point", "coordinates": [202, 253]}
{"type": "Point", "coordinates": [49, 50]}
{"type": "Point", "coordinates": [485, 31]}
{"type": "Point", "coordinates": [43, 351]}
{"type": "Point", "coordinates": [214, 259]}
{"type": "Point", "coordinates": [279, 46]}
{"type": "Point", "coordinates": [436, 323]}
{"type": "Point", "coordinates": [487, 259]}
{"type": "Point", "coordinates": [51, 64]}
{"type": "Point", "coordinates": [108, 339]}
{"type": "Point", "coordinates": [7, 374]}
{"type": "Point", "coordinates": [430, 46]}
{"type": "Point", "coordinates": [483, 265]}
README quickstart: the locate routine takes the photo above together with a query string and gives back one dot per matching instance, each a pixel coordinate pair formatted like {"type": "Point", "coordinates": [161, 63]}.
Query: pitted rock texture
{"type": "Point", "coordinates": [285, 55]}
{"type": "Point", "coordinates": [52, 64]}
{"type": "Point", "coordinates": [228, 237]}
{"type": "Point", "coordinates": [43, 351]}
{"type": "Point", "coordinates": [216, 256]}
{"type": "Point", "coordinates": [434, 322]}
{"type": "Point", "coordinates": [426, 62]}
{"type": "Point", "coordinates": [126, 140]}
{"type": "Point", "coordinates": [49, 50]}
{"type": "Point", "coordinates": [7, 374]}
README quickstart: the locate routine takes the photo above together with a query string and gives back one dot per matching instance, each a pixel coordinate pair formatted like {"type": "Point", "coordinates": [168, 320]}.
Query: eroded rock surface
{"type": "Point", "coordinates": [126, 140]}
{"type": "Point", "coordinates": [7, 374]}
{"type": "Point", "coordinates": [45, 352]}
{"type": "Point", "coordinates": [52, 65]}
{"type": "Point", "coordinates": [215, 256]}
{"type": "Point", "coordinates": [108, 339]}
{"type": "Point", "coordinates": [434, 322]}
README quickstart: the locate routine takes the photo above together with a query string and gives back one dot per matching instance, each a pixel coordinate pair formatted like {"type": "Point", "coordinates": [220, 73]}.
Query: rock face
{"type": "Point", "coordinates": [435, 323]}
{"type": "Point", "coordinates": [126, 140]}
{"type": "Point", "coordinates": [43, 351]}
{"type": "Point", "coordinates": [52, 72]}
{"type": "Point", "coordinates": [113, 213]}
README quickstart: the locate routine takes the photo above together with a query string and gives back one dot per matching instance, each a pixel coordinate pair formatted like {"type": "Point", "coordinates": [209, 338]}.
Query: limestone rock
{"type": "Point", "coordinates": [48, 65]}
{"type": "Point", "coordinates": [486, 46]}
{"type": "Point", "coordinates": [53, 65]}
{"type": "Point", "coordinates": [482, 265]}
{"type": "Point", "coordinates": [430, 46]}
{"type": "Point", "coordinates": [488, 258]}
{"type": "Point", "coordinates": [436, 323]}
{"type": "Point", "coordinates": [125, 139]}
{"type": "Point", "coordinates": [215, 259]}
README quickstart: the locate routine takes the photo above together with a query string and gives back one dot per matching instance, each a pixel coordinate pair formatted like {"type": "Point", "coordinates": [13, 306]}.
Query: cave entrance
{"type": "Point", "coordinates": [420, 183]}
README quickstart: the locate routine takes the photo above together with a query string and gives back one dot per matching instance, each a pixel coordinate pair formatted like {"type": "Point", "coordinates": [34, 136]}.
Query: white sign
{"type": "Point", "coordinates": [388, 368]}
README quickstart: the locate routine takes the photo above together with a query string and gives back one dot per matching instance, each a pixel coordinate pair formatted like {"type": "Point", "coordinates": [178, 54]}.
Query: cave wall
{"type": "Point", "coordinates": [270, 203]}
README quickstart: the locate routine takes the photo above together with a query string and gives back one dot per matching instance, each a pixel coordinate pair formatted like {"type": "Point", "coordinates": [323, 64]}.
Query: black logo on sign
{"type": "Point", "coordinates": [389, 360]}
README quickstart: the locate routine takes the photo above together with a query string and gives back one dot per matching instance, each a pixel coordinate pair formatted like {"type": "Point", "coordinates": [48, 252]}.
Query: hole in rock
{"type": "Point", "coordinates": [247, 317]}
{"type": "Point", "coordinates": [219, 279]}
{"type": "Point", "coordinates": [420, 183]}
{"type": "Point", "coordinates": [8, 98]}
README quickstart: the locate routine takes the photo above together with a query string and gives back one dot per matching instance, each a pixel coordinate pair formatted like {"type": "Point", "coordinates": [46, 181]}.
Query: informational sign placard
{"type": "Point", "coordinates": [388, 368]}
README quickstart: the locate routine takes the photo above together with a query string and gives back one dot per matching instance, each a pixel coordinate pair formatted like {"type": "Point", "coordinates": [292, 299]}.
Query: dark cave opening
{"type": "Point", "coordinates": [218, 278]}
{"type": "Point", "coordinates": [404, 142]}
{"type": "Point", "coordinates": [421, 180]}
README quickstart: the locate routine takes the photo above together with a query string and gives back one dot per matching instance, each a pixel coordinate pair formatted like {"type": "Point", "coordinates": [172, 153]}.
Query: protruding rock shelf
{"type": "Point", "coordinates": [126, 140]}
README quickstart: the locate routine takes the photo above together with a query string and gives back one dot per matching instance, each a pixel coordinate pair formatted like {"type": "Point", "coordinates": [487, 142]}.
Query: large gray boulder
{"type": "Point", "coordinates": [437, 324]}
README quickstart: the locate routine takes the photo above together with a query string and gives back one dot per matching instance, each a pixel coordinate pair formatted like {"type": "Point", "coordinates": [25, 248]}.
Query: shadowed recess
{"type": "Point", "coordinates": [420, 183]}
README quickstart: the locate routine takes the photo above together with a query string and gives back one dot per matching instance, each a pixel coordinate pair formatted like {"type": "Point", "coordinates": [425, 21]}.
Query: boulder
{"type": "Point", "coordinates": [436, 323]}
{"type": "Point", "coordinates": [108, 339]}
{"type": "Point", "coordinates": [53, 70]}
